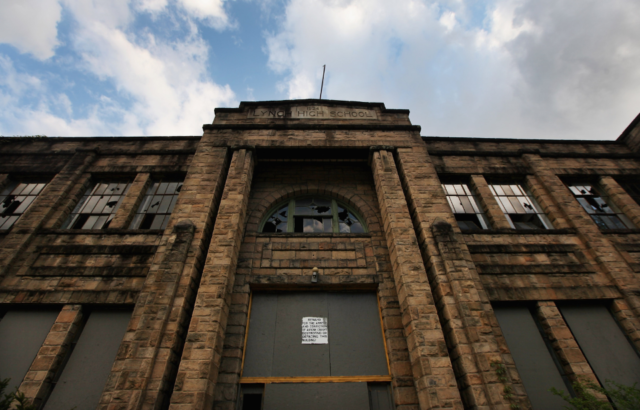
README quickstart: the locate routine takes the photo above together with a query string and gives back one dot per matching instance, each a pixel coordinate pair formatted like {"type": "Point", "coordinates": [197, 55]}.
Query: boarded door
{"type": "Point", "coordinates": [278, 347]}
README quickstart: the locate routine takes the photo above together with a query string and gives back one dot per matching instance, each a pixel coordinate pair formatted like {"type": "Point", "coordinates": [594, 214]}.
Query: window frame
{"type": "Point", "coordinates": [13, 184]}
{"type": "Point", "coordinates": [615, 211]}
{"type": "Point", "coordinates": [468, 193]}
{"type": "Point", "coordinates": [530, 198]}
{"type": "Point", "coordinates": [74, 215]}
{"type": "Point", "coordinates": [141, 214]}
{"type": "Point", "coordinates": [291, 216]}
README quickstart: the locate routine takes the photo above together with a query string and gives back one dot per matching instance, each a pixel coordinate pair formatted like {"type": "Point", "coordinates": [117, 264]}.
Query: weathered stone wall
{"type": "Point", "coordinates": [191, 283]}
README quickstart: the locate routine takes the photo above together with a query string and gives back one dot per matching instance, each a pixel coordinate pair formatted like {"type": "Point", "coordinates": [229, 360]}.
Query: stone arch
{"type": "Point", "coordinates": [355, 201]}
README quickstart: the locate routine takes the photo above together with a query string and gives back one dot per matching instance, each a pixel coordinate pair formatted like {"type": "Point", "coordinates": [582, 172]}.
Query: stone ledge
{"type": "Point", "coordinates": [84, 271]}
{"type": "Point", "coordinates": [98, 249]}
{"type": "Point", "coordinates": [70, 296]}
{"type": "Point", "coordinates": [308, 235]}
{"type": "Point", "coordinates": [273, 282]}
{"type": "Point", "coordinates": [487, 269]}
{"type": "Point", "coordinates": [567, 231]}
{"type": "Point", "coordinates": [311, 127]}
{"type": "Point", "coordinates": [101, 232]}
{"type": "Point", "coordinates": [559, 248]}
{"type": "Point", "coordinates": [620, 231]}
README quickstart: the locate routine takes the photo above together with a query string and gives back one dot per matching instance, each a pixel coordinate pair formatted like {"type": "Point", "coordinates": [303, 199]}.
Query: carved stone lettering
{"type": "Point", "coordinates": [313, 112]}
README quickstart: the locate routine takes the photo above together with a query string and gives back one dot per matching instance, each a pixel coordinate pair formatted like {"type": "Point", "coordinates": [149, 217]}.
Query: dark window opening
{"type": "Point", "coordinates": [468, 222]}
{"type": "Point", "coordinates": [251, 397]}
{"type": "Point", "coordinates": [252, 401]}
{"type": "Point", "coordinates": [527, 221]}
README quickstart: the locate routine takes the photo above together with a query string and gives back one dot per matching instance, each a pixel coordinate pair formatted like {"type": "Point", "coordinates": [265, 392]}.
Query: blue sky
{"type": "Point", "coordinates": [562, 69]}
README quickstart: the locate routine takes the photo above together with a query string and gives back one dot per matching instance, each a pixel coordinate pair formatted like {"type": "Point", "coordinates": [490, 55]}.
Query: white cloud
{"type": "Point", "coordinates": [164, 87]}
{"type": "Point", "coordinates": [211, 11]}
{"type": "Point", "coordinates": [527, 68]}
{"type": "Point", "coordinates": [31, 26]}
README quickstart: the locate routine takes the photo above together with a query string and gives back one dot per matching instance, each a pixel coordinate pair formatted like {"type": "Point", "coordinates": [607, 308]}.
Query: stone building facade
{"type": "Point", "coordinates": [441, 273]}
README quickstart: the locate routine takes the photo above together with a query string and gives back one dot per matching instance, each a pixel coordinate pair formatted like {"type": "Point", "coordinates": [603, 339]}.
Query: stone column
{"type": "Point", "coordinates": [198, 371]}
{"type": "Point", "coordinates": [145, 367]}
{"type": "Point", "coordinates": [573, 362]}
{"type": "Point", "coordinates": [44, 207]}
{"type": "Point", "coordinates": [601, 249]}
{"type": "Point", "coordinates": [621, 199]}
{"type": "Point", "coordinates": [494, 213]}
{"type": "Point", "coordinates": [624, 315]}
{"type": "Point", "coordinates": [463, 305]}
{"type": "Point", "coordinates": [131, 201]}
{"type": "Point", "coordinates": [545, 201]}
{"type": "Point", "coordinates": [432, 370]}
{"type": "Point", "coordinates": [37, 382]}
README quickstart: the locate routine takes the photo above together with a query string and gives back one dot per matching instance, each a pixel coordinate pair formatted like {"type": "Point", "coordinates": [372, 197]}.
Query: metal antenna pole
{"type": "Point", "coordinates": [324, 67]}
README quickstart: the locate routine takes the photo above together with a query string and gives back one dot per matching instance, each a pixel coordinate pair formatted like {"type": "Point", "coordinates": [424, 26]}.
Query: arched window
{"type": "Point", "coordinates": [313, 215]}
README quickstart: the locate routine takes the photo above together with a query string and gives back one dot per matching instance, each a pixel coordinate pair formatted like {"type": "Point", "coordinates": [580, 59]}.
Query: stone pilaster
{"type": "Point", "coordinates": [43, 208]}
{"type": "Point", "coordinates": [600, 248]}
{"type": "Point", "coordinates": [432, 370]}
{"type": "Point", "coordinates": [621, 199]}
{"type": "Point", "coordinates": [625, 317]}
{"type": "Point", "coordinates": [131, 201]}
{"type": "Point", "coordinates": [573, 362]}
{"type": "Point", "coordinates": [202, 352]}
{"type": "Point", "coordinates": [143, 374]}
{"type": "Point", "coordinates": [463, 306]}
{"type": "Point", "coordinates": [551, 210]}
{"type": "Point", "coordinates": [492, 209]}
{"type": "Point", "coordinates": [37, 382]}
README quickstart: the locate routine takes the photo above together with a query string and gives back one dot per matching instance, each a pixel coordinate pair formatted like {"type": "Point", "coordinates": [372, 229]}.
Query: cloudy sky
{"type": "Point", "coordinates": [564, 69]}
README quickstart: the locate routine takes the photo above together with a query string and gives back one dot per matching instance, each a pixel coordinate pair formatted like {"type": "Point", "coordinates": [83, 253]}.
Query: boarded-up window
{"type": "Point", "coordinates": [533, 359]}
{"type": "Point", "coordinates": [288, 338]}
{"type": "Point", "coordinates": [22, 333]}
{"type": "Point", "coordinates": [603, 343]}
{"type": "Point", "coordinates": [85, 374]}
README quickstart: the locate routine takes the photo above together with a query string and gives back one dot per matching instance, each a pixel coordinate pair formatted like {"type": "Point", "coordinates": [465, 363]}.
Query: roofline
{"type": "Point", "coordinates": [625, 133]}
{"type": "Point", "coordinates": [245, 104]}
{"type": "Point", "coordinates": [100, 138]}
{"type": "Point", "coordinates": [519, 140]}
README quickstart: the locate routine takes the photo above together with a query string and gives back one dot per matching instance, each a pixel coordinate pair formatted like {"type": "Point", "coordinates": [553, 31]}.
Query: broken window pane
{"type": "Point", "coordinates": [15, 199]}
{"type": "Point", "coordinates": [465, 207]}
{"type": "Point", "coordinates": [313, 215]}
{"type": "Point", "coordinates": [313, 206]}
{"type": "Point", "coordinates": [520, 207]}
{"type": "Point", "coordinates": [98, 207]}
{"type": "Point", "coordinates": [603, 213]}
{"type": "Point", "coordinates": [277, 222]}
{"type": "Point", "coordinates": [157, 205]}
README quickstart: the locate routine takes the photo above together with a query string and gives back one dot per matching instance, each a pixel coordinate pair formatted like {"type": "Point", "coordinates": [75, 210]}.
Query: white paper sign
{"type": "Point", "coordinates": [315, 331]}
